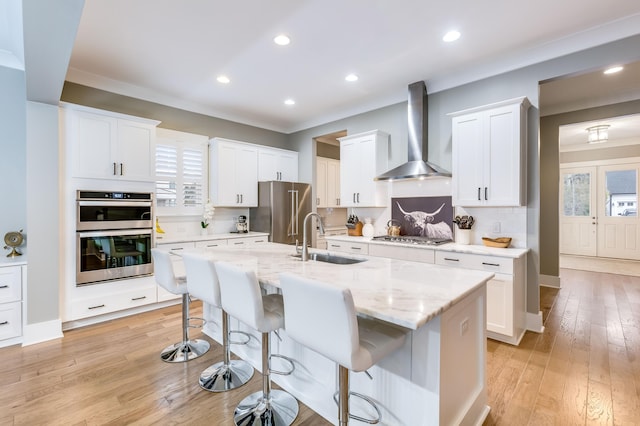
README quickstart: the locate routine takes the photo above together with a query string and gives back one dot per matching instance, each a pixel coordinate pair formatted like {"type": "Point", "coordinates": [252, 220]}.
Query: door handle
{"type": "Point", "coordinates": [485, 193]}
{"type": "Point", "coordinates": [354, 197]}
{"type": "Point", "coordinates": [479, 194]}
{"type": "Point", "coordinates": [114, 169]}
{"type": "Point", "coordinates": [121, 169]}
{"type": "Point", "coordinates": [358, 198]}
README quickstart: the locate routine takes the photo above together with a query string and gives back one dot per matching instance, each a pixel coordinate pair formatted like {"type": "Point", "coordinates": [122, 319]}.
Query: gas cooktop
{"type": "Point", "coordinates": [409, 239]}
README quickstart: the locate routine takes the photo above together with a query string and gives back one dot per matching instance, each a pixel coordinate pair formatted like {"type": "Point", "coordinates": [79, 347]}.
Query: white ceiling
{"type": "Point", "coordinates": [170, 52]}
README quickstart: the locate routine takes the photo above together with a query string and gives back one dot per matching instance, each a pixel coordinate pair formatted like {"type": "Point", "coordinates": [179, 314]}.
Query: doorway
{"type": "Point", "coordinates": [598, 210]}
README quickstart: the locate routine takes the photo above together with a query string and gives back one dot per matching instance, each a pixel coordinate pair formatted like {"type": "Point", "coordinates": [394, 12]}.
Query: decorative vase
{"type": "Point", "coordinates": [463, 236]}
{"type": "Point", "coordinates": [367, 229]}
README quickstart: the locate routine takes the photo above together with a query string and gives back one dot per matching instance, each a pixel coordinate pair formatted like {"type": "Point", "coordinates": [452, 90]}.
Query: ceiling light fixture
{"type": "Point", "coordinates": [451, 36]}
{"type": "Point", "coordinates": [282, 40]}
{"type": "Point", "coordinates": [598, 134]}
{"type": "Point", "coordinates": [289, 102]}
{"type": "Point", "coordinates": [351, 77]}
{"type": "Point", "coordinates": [223, 79]}
{"type": "Point", "coordinates": [613, 70]}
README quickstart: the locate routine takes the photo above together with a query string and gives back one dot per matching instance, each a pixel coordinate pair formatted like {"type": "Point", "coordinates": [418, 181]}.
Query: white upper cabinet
{"type": "Point", "coordinates": [107, 145]}
{"type": "Point", "coordinates": [277, 164]}
{"type": "Point", "coordinates": [327, 182]}
{"type": "Point", "coordinates": [489, 154]}
{"type": "Point", "coordinates": [362, 157]}
{"type": "Point", "coordinates": [233, 173]}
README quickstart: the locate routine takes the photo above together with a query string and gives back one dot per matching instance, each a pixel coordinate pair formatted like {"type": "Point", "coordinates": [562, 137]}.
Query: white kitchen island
{"type": "Point", "coordinates": [436, 378]}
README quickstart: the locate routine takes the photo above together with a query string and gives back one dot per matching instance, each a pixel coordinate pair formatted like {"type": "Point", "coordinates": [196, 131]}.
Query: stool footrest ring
{"type": "Point", "coordinates": [286, 358]}
{"type": "Point", "coordinates": [239, 342]}
{"type": "Point", "coordinates": [368, 400]}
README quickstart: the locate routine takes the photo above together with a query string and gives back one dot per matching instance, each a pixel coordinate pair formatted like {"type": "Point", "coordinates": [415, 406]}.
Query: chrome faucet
{"type": "Point", "coordinates": [304, 256]}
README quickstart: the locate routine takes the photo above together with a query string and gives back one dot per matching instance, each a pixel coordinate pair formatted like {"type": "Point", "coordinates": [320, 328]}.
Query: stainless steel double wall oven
{"type": "Point", "coordinates": [114, 235]}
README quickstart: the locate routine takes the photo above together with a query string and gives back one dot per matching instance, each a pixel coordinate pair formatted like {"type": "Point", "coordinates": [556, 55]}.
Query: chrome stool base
{"type": "Point", "coordinates": [280, 410]}
{"type": "Point", "coordinates": [220, 377]}
{"type": "Point", "coordinates": [184, 351]}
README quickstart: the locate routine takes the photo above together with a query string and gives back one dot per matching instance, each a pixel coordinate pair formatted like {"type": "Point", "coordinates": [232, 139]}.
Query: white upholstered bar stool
{"type": "Point", "coordinates": [202, 282]}
{"type": "Point", "coordinates": [187, 349]}
{"type": "Point", "coordinates": [322, 317]}
{"type": "Point", "coordinates": [242, 298]}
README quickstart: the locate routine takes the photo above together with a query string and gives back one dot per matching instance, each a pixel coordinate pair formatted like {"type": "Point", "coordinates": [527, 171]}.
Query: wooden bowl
{"type": "Point", "coordinates": [501, 242]}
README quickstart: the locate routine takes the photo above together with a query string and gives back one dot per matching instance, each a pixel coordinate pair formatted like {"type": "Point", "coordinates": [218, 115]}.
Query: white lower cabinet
{"type": "Point", "coordinates": [117, 301]}
{"type": "Point", "coordinates": [402, 253]}
{"type": "Point", "coordinates": [348, 247]}
{"type": "Point", "coordinates": [506, 310]}
{"type": "Point", "coordinates": [11, 281]}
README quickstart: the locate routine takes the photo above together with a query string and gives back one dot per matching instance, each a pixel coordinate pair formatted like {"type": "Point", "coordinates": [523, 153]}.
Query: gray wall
{"type": "Point", "coordinates": [550, 159]}
{"type": "Point", "coordinates": [43, 193]}
{"type": "Point", "coordinates": [172, 118]}
{"type": "Point", "coordinates": [13, 162]}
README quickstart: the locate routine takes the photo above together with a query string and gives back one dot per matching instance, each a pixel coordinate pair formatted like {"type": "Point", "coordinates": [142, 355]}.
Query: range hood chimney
{"type": "Point", "coordinates": [417, 167]}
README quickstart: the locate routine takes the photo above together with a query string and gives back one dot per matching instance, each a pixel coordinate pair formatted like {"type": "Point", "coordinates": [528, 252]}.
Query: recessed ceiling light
{"type": "Point", "coordinates": [282, 40]}
{"type": "Point", "coordinates": [289, 102]}
{"type": "Point", "coordinates": [351, 77]}
{"type": "Point", "coordinates": [223, 79]}
{"type": "Point", "coordinates": [613, 70]}
{"type": "Point", "coordinates": [451, 36]}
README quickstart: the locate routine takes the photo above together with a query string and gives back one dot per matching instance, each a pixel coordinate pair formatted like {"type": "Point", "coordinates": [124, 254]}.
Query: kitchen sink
{"type": "Point", "coordinates": [331, 258]}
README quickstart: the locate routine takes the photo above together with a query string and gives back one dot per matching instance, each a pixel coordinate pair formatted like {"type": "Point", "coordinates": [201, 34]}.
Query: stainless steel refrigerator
{"type": "Point", "coordinates": [281, 209]}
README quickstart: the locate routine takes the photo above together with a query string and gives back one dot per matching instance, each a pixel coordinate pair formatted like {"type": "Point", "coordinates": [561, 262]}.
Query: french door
{"type": "Point", "coordinates": [578, 226]}
{"type": "Point", "coordinates": [598, 211]}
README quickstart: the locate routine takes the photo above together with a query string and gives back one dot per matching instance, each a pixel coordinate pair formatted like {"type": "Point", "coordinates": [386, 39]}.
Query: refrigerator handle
{"type": "Point", "coordinates": [291, 229]}
{"type": "Point", "coordinates": [294, 210]}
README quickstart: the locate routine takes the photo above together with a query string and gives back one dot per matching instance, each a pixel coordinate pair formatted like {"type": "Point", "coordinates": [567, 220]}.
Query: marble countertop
{"type": "Point", "coordinates": [452, 247]}
{"type": "Point", "coordinates": [211, 237]}
{"type": "Point", "coordinates": [408, 294]}
{"type": "Point", "coordinates": [13, 261]}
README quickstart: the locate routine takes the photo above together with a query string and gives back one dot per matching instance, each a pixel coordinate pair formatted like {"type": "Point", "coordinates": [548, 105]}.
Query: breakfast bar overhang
{"type": "Point", "coordinates": [436, 378]}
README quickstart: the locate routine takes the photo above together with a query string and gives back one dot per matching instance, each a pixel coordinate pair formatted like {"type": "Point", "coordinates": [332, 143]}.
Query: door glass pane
{"type": "Point", "coordinates": [577, 190]}
{"type": "Point", "coordinates": [621, 198]}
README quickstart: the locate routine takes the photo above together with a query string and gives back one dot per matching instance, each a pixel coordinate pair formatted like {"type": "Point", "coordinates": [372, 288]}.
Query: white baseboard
{"type": "Point", "coordinates": [549, 281]}
{"type": "Point", "coordinates": [534, 322]}
{"type": "Point", "coordinates": [41, 332]}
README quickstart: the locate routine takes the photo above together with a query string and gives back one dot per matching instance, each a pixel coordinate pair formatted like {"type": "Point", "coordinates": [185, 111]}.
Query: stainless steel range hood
{"type": "Point", "coordinates": [417, 167]}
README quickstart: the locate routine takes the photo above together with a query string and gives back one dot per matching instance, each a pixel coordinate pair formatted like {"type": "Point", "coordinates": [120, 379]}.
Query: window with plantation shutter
{"type": "Point", "coordinates": [181, 173]}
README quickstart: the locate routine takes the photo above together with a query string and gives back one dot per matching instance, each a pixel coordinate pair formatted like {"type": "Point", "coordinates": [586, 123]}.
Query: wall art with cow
{"type": "Point", "coordinates": [430, 217]}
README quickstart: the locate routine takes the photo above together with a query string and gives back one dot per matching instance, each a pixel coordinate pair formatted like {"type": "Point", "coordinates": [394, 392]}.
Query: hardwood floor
{"type": "Point", "coordinates": [583, 370]}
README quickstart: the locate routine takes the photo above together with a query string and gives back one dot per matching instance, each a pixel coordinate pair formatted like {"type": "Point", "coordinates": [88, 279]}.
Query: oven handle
{"type": "Point", "coordinates": [137, 231]}
{"type": "Point", "coordinates": [115, 203]}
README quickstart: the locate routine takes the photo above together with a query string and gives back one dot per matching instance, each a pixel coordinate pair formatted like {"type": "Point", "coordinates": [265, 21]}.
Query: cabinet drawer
{"type": "Point", "coordinates": [494, 264]}
{"type": "Point", "coordinates": [10, 320]}
{"type": "Point", "coordinates": [348, 247]}
{"type": "Point", "coordinates": [107, 303]}
{"type": "Point", "coordinates": [248, 240]}
{"type": "Point", "coordinates": [211, 243]}
{"type": "Point", "coordinates": [402, 253]}
{"type": "Point", "coordinates": [10, 284]}
{"type": "Point", "coordinates": [175, 246]}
